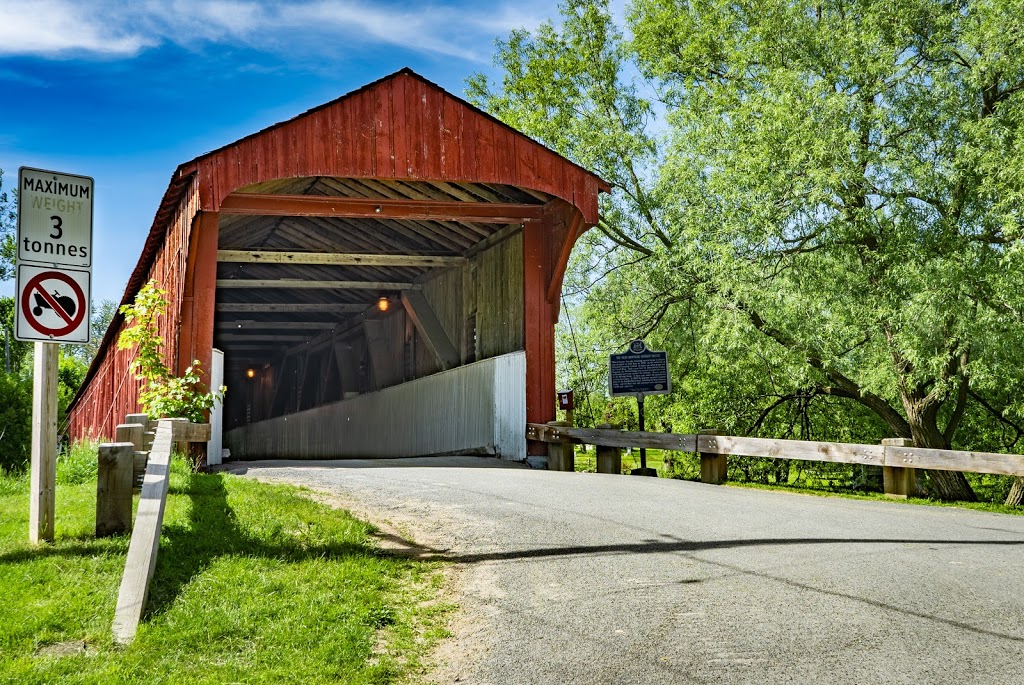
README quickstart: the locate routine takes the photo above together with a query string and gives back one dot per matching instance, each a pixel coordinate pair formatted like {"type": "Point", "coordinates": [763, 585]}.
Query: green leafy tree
{"type": "Point", "coordinates": [70, 374]}
{"type": "Point", "coordinates": [15, 422]}
{"type": "Point", "coordinates": [163, 394]}
{"type": "Point", "coordinates": [816, 206]}
{"type": "Point", "coordinates": [8, 230]}
{"type": "Point", "coordinates": [19, 353]}
{"type": "Point", "coordinates": [98, 324]}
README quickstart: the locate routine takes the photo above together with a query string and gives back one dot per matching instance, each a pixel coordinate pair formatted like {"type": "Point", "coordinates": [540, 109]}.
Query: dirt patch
{"type": "Point", "coordinates": [62, 649]}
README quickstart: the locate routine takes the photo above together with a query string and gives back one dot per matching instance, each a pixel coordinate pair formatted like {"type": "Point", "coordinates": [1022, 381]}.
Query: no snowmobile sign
{"type": "Point", "coordinates": [53, 306]}
{"type": "Point", "coordinates": [54, 256]}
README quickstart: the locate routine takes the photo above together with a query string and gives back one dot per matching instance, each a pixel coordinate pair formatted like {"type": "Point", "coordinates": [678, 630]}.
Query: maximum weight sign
{"type": "Point", "coordinates": [53, 306]}
{"type": "Point", "coordinates": [54, 218]}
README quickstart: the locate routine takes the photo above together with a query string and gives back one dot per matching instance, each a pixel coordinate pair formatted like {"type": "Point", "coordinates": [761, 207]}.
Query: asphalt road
{"type": "Point", "coordinates": [586, 578]}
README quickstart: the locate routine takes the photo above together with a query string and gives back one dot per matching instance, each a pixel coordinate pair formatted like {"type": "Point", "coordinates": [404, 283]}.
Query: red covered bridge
{"type": "Point", "coordinates": [282, 249]}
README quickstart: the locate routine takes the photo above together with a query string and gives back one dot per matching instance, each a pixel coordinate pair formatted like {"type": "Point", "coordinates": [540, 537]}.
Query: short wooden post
{"type": "Point", "coordinates": [609, 459]}
{"type": "Point", "coordinates": [131, 432]}
{"type": "Point", "coordinates": [148, 426]}
{"type": "Point", "coordinates": [899, 481]}
{"type": "Point", "coordinates": [135, 433]}
{"type": "Point", "coordinates": [560, 454]}
{"type": "Point", "coordinates": [114, 488]}
{"type": "Point", "coordinates": [142, 419]}
{"type": "Point", "coordinates": [714, 467]}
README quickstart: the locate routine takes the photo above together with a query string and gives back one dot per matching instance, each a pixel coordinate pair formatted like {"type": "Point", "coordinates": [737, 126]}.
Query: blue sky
{"type": "Point", "coordinates": [125, 91]}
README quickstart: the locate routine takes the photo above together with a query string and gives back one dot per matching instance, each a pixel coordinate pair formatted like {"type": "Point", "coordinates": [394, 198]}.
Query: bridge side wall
{"type": "Point", "coordinates": [111, 392]}
{"type": "Point", "coordinates": [479, 408]}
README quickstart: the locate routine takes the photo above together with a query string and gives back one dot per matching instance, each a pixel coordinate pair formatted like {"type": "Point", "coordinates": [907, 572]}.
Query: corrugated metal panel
{"type": "Point", "coordinates": [479, 408]}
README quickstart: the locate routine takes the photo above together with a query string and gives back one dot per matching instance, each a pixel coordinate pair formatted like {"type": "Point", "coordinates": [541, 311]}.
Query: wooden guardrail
{"type": "Point", "coordinates": [142, 550]}
{"type": "Point", "coordinates": [896, 456]}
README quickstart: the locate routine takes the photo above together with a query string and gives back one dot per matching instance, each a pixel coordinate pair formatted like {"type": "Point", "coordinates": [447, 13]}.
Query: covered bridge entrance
{"type": "Point", "coordinates": [381, 273]}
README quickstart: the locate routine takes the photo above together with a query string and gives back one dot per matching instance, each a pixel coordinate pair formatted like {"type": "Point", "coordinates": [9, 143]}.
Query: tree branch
{"type": "Point", "coordinates": [998, 416]}
{"type": "Point", "coordinates": [961, 401]}
{"type": "Point", "coordinates": [844, 386]}
{"type": "Point", "coordinates": [621, 238]}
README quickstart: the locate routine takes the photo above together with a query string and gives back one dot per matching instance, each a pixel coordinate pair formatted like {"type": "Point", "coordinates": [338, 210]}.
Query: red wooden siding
{"type": "Point", "coordinates": [401, 127]}
{"type": "Point", "coordinates": [112, 391]}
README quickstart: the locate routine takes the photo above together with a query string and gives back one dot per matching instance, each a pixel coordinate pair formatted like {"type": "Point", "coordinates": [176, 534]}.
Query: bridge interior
{"type": "Point", "coordinates": [329, 288]}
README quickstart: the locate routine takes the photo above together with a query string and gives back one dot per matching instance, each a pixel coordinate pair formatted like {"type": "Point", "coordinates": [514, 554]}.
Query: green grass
{"type": "Point", "coordinates": [994, 507]}
{"type": "Point", "coordinates": [255, 583]}
{"type": "Point", "coordinates": [586, 461]}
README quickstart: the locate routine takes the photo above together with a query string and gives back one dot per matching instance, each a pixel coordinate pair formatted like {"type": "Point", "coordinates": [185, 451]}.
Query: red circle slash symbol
{"type": "Point", "coordinates": [70, 309]}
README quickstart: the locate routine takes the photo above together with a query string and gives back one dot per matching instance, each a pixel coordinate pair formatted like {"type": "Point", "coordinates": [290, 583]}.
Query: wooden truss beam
{"type": "Point", "coordinates": [274, 307]}
{"type": "Point", "coordinates": [249, 325]}
{"type": "Point", "coordinates": [427, 323]}
{"type": "Point", "coordinates": [246, 337]}
{"type": "Point", "coordinates": [256, 204]}
{"type": "Point", "coordinates": [336, 258]}
{"type": "Point", "coordinates": [261, 349]}
{"type": "Point", "coordinates": [300, 283]}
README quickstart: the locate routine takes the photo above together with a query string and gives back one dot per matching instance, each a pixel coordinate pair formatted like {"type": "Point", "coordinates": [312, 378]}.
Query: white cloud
{"type": "Point", "coordinates": [58, 28]}
{"type": "Point", "coordinates": [53, 27]}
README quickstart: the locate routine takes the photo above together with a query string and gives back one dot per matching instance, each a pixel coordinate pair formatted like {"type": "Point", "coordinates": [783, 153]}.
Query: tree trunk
{"type": "Point", "coordinates": [949, 486]}
{"type": "Point", "coordinates": [1016, 496]}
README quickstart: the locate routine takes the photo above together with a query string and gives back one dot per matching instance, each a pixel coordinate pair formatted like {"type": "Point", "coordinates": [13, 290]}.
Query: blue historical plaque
{"type": "Point", "coordinates": [639, 372]}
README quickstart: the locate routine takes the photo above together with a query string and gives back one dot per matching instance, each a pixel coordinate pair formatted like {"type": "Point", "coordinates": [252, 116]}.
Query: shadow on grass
{"type": "Point", "coordinates": [212, 532]}
{"type": "Point", "coordinates": [81, 547]}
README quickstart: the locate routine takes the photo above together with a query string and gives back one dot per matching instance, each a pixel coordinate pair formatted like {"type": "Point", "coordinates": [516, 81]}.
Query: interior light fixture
{"type": "Point", "coordinates": [250, 373]}
{"type": "Point", "coordinates": [383, 303]}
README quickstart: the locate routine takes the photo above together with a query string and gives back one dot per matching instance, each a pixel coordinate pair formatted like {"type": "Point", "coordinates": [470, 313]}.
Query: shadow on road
{"type": "Point", "coordinates": [688, 546]}
{"type": "Point", "coordinates": [662, 547]}
{"type": "Point", "coordinates": [456, 461]}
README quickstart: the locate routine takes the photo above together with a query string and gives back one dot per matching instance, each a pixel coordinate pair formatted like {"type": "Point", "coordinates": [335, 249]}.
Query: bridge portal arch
{"type": "Point", "coordinates": [388, 236]}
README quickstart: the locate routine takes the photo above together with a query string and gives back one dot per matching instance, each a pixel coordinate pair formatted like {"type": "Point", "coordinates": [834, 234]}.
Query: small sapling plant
{"type": "Point", "coordinates": [163, 393]}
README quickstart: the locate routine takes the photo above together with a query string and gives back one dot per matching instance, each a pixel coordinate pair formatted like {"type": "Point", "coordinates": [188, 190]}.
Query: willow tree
{"type": "Point", "coordinates": [834, 188]}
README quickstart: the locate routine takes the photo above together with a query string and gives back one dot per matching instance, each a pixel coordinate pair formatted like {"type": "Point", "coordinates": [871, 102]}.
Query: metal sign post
{"type": "Point", "coordinates": [643, 427]}
{"type": "Point", "coordinates": [639, 372]}
{"type": "Point", "coordinates": [53, 305]}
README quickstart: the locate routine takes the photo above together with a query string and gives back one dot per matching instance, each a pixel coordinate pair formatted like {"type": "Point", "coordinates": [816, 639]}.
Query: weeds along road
{"type": "Point", "coordinates": [586, 578]}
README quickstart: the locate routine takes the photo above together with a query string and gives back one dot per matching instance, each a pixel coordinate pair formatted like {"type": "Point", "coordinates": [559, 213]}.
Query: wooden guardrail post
{"type": "Point", "coordinates": [714, 467]}
{"type": "Point", "coordinates": [609, 459]}
{"type": "Point", "coordinates": [149, 429]}
{"type": "Point", "coordinates": [114, 488]}
{"type": "Point", "coordinates": [560, 454]}
{"type": "Point", "coordinates": [899, 481]}
{"type": "Point", "coordinates": [134, 431]}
